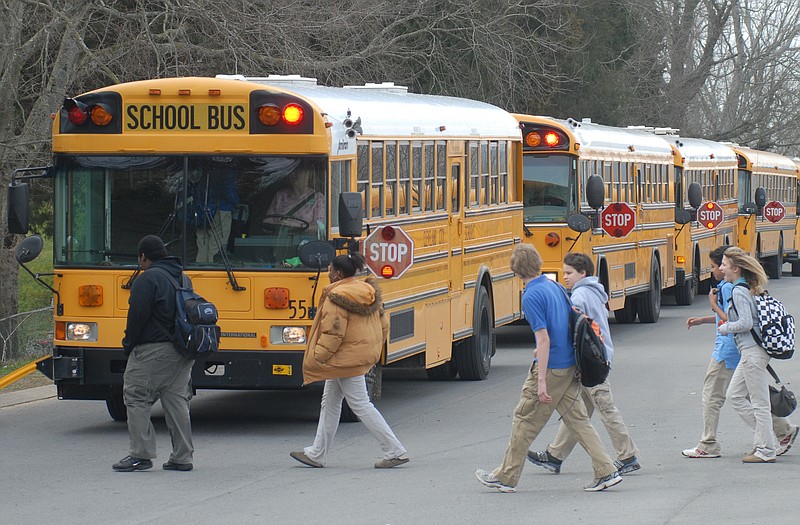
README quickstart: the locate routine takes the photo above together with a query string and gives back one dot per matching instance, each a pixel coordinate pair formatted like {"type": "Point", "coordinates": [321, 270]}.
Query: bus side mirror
{"type": "Point", "coordinates": [682, 217]}
{"type": "Point", "coordinates": [695, 195]}
{"type": "Point", "coordinates": [579, 223]}
{"type": "Point", "coordinates": [18, 208]}
{"type": "Point", "coordinates": [316, 254]}
{"type": "Point", "coordinates": [351, 215]}
{"type": "Point", "coordinates": [29, 249]}
{"type": "Point", "coordinates": [595, 192]}
{"type": "Point", "coordinates": [761, 197]}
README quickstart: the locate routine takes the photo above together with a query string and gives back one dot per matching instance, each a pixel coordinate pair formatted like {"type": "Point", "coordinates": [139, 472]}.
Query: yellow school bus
{"type": "Point", "coordinates": [711, 167]}
{"type": "Point", "coordinates": [240, 176]}
{"type": "Point", "coordinates": [765, 178]}
{"type": "Point", "coordinates": [560, 161]}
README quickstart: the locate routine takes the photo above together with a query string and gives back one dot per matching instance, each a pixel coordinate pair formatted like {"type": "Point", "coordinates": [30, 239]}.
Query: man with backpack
{"type": "Point", "coordinates": [155, 369]}
{"type": "Point", "coordinates": [552, 382]}
{"type": "Point", "coordinates": [590, 298]}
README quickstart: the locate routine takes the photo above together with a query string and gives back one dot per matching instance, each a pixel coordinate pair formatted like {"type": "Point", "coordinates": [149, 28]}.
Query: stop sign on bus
{"type": "Point", "coordinates": [389, 252]}
{"type": "Point", "coordinates": [710, 215]}
{"type": "Point", "coordinates": [618, 219]}
{"type": "Point", "coordinates": [774, 211]}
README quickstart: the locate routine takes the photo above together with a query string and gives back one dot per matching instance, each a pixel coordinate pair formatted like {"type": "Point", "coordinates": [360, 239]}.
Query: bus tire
{"type": "Point", "coordinates": [374, 380]}
{"type": "Point", "coordinates": [444, 372]}
{"type": "Point", "coordinates": [774, 265]}
{"type": "Point", "coordinates": [650, 302]}
{"type": "Point", "coordinates": [472, 357]}
{"type": "Point", "coordinates": [626, 314]}
{"type": "Point", "coordinates": [115, 403]}
{"type": "Point", "coordinates": [795, 268]}
{"type": "Point", "coordinates": [685, 294]}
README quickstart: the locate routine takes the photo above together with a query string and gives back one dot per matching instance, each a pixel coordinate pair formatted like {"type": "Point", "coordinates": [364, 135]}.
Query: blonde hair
{"type": "Point", "coordinates": [526, 261]}
{"type": "Point", "coordinates": [752, 271]}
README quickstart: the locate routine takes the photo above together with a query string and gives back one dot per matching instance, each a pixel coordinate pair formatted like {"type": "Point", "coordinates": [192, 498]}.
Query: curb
{"type": "Point", "coordinates": [29, 395]}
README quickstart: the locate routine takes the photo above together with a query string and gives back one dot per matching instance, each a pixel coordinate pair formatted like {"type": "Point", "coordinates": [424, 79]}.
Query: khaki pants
{"type": "Point", "coordinates": [531, 416]}
{"type": "Point", "coordinates": [715, 386]}
{"type": "Point", "coordinates": [598, 397]}
{"type": "Point", "coordinates": [157, 371]}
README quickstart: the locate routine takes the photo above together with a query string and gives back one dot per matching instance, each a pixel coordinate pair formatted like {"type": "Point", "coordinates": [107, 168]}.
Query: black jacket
{"type": "Point", "coordinates": [151, 312]}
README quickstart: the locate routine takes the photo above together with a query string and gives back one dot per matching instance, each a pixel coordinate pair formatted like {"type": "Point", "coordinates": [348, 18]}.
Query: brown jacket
{"type": "Point", "coordinates": [348, 333]}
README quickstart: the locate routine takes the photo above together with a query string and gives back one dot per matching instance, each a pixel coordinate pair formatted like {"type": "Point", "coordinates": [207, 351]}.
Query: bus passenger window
{"type": "Point", "coordinates": [430, 171]}
{"type": "Point", "coordinates": [404, 182]}
{"type": "Point", "coordinates": [377, 179]}
{"type": "Point", "coordinates": [363, 176]}
{"type": "Point", "coordinates": [416, 175]}
{"type": "Point", "coordinates": [441, 176]}
{"type": "Point", "coordinates": [503, 156]}
{"type": "Point", "coordinates": [494, 189]}
{"type": "Point", "coordinates": [391, 178]}
{"type": "Point", "coordinates": [473, 186]}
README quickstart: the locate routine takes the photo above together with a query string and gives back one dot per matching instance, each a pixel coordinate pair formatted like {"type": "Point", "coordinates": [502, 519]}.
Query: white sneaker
{"type": "Point", "coordinates": [787, 442]}
{"type": "Point", "coordinates": [697, 453]}
{"type": "Point", "coordinates": [488, 479]}
{"type": "Point", "coordinates": [603, 483]}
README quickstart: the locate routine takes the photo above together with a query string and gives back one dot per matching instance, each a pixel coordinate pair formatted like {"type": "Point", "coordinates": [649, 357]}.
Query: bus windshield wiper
{"type": "Point", "coordinates": [222, 251]}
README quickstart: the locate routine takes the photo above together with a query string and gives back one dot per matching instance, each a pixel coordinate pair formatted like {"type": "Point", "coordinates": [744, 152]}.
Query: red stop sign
{"type": "Point", "coordinates": [618, 219]}
{"type": "Point", "coordinates": [389, 252]}
{"type": "Point", "coordinates": [710, 215]}
{"type": "Point", "coordinates": [774, 211]}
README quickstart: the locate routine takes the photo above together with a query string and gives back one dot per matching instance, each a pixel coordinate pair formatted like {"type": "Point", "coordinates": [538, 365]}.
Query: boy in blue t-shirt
{"type": "Point", "coordinates": [724, 361]}
{"type": "Point", "coordinates": [557, 388]}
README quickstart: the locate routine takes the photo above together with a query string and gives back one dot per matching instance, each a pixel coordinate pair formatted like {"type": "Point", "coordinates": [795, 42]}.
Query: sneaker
{"type": "Point", "coordinates": [130, 463]}
{"type": "Point", "coordinates": [787, 442]}
{"type": "Point", "coordinates": [489, 480]}
{"type": "Point", "coordinates": [697, 453]}
{"type": "Point", "coordinates": [626, 466]}
{"type": "Point", "coordinates": [305, 460]}
{"type": "Point", "coordinates": [545, 459]}
{"type": "Point", "coordinates": [603, 483]}
{"type": "Point", "coordinates": [183, 467]}
{"type": "Point", "coordinates": [752, 458]}
{"type": "Point", "coordinates": [391, 462]}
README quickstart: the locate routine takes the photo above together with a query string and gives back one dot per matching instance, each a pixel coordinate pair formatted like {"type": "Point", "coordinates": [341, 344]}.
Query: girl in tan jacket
{"type": "Point", "coordinates": [345, 342]}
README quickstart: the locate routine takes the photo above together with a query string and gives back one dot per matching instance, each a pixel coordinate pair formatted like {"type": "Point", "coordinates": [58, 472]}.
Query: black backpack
{"type": "Point", "coordinates": [590, 348]}
{"type": "Point", "coordinates": [195, 333]}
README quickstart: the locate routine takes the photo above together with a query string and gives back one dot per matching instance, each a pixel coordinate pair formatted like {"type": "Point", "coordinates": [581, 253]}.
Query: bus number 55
{"type": "Point", "coordinates": [294, 306]}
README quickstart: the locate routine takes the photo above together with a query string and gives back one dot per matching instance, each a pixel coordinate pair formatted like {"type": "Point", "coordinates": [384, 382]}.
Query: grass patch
{"type": "Point", "coordinates": [32, 295]}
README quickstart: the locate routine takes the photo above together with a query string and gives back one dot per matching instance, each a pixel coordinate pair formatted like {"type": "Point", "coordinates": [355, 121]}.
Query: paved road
{"type": "Point", "coordinates": [56, 456]}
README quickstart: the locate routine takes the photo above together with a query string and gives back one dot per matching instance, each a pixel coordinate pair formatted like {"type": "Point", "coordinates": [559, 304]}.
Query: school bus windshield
{"type": "Point", "coordinates": [253, 210]}
{"type": "Point", "coordinates": [547, 192]}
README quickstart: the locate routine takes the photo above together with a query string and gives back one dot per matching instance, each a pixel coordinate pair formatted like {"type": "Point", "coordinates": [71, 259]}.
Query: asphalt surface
{"type": "Point", "coordinates": [56, 457]}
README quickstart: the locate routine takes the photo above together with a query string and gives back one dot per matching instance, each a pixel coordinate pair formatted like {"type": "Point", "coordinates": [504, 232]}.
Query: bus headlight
{"type": "Point", "coordinates": [81, 331]}
{"type": "Point", "coordinates": [287, 335]}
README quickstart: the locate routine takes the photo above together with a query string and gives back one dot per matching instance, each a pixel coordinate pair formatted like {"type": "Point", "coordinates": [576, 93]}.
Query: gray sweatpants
{"type": "Point", "coordinates": [157, 371]}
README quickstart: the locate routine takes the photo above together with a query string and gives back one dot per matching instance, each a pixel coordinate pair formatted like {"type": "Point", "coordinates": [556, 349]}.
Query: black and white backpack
{"type": "Point", "coordinates": [776, 325]}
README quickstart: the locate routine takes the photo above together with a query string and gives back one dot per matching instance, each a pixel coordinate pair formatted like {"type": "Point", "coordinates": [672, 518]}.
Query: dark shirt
{"type": "Point", "coordinates": [151, 312]}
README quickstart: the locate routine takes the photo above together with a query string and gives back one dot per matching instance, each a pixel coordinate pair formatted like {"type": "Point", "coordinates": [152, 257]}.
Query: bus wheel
{"type": "Point", "coordinates": [115, 404]}
{"type": "Point", "coordinates": [444, 372]}
{"type": "Point", "coordinates": [626, 314]}
{"type": "Point", "coordinates": [473, 356]}
{"type": "Point", "coordinates": [685, 294]}
{"type": "Point", "coordinates": [650, 302]}
{"type": "Point", "coordinates": [374, 380]}
{"type": "Point", "coordinates": [796, 269]}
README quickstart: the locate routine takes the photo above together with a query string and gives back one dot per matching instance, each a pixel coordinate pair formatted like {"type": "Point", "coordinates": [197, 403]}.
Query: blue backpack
{"type": "Point", "coordinates": [195, 332]}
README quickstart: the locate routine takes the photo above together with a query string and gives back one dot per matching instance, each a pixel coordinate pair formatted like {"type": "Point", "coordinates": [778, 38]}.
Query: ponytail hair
{"type": "Point", "coordinates": [348, 264]}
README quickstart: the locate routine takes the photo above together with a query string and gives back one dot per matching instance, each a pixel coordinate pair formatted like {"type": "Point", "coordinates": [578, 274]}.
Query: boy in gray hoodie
{"type": "Point", "coordinates": [590, 298]}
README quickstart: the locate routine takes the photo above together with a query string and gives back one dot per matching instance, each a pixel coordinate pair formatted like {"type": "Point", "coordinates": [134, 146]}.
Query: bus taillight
{"type": "Point", "coordinates": [269, 114]}
{"type": "Point", "coordinates": [101, 116]}
{"type": "Point", "coordinates": [292, 114]}
{"type": "Point", "coordinates": [76, 111]}
{"type": "Point", "coordinates": [551, 138]}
